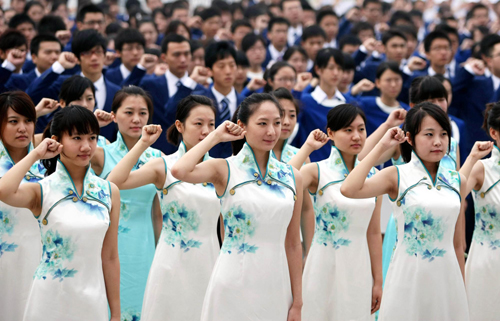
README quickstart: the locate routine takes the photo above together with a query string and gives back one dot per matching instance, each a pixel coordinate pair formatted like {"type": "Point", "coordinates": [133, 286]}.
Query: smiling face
{"type": "Point", "coordinates": [17, 131]}
{"type": "Point", "coordinates": [131, 116]}
{"type": "Point", "coordinates": [350, 139]}
{"type": "Point", "coordinates": [77, 149]}
{"type": "Point", "coordinates": [290, 118]}
{"type": "Point", "coordinates": [431, 143]}
{"type": "Point", "coordinates": [199, 123]}
{"type": "Point", "coordinates": [263, 127]}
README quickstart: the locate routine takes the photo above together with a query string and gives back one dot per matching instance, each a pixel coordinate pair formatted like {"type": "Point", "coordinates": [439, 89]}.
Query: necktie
{"type": "Point", "coordinates": [224, 112]}
{"type": "Point", "coordinates": [178, 84]}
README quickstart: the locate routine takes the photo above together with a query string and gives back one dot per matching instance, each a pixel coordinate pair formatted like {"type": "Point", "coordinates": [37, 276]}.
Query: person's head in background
{"type": "Point", "coordinates": [111, 32]}
{"type": "Point", "coordinates": [280, 75]}
{"type": "Point", "coordinates": [447, 85]}
{"type": "Point", "coordinates": [329, 22]}
{"type": "Point", "coordinates": [35, 10]}
{"type": "Point", "coordinates": [437, 48]}
{"type": "Point", "coordinates": [161, 20]}
{"type": "Point", "coordinates": [389, 80]}
{"type": "Point", "coordinates": [178, 27]}
{"type": "Point", "coordinates": [308, 13]}
{"type": "Point", "coordinates": [411, 39]}
{"type": "Point", "coordinates": [479, 15]}
{"type": "Point", "coordinates": [197, 55]}
{"type": "Point", "coordinates": [220, 59]}
{"type": "Point", "coordinates": [239, 29]}
{"type": "Point", "coordinates": [22, 23]}
{"type": "Point", "coordinates": [292, 10]}
{"type": "Point", "coordinates": [275, 10]}
{"type": "Point", "coordinates": [237, 11]}
{"type": "Point", "coordinates": [394, 43]}
{"type": "Point", "coordinates": [212, 22]}
{"type": "Point", "coordinates": [17, 5]}
{"type": "Point", "coordinates": [242, 66]}
{"type": "Point", "coordinates": [254, 46]}
{"type": "Point", "coordinates": [17, 120]}
{"type": "Point", "coordinates": [258, 16]}
{"type": "Point", "coordinates": [91, 17]}
{"type": "Point", "coordinates": [399, 18]}
{"type": "Point", "coordinates": [297, 57]}
{"type": "Point", "coordinates": [277, 32]}
{"type": "Point", "coordinates": [89, 47]}
{"type": "Point", "coordinates": [417, 17]}
{"type": "Point", "coordinates": [45, 50]}
{"type": "Point", "coordinates": [147, 28]}
{"type": "Point", "coordinates": [387, 10]}
{"type": "Point", "coordinates": [225, 10]}
{"type": "Point", "coordinates": [51, 24]}
{"type": "Point", "coordinates": [479, 33]}
{"type": "Point", "coordinates": [348, 74]}
{"type": "Point", "coordinates": [428, 89]}
{"type": "Point", "coordinates": [490, 53]}
{"type": "Point", "coordinates": [176, 53]}
{"type": "Point", "coordinates": [363, 30]}
{"type": "Point", "coordinates": [10, 40]}
{"type": "Point", "coordinates": [313, 39]}
{"type": "Point", "coordinates": [179, 11]}
{"type": "Point", "coordinates": [349, 44]}
{"type": "Point", "coordinates": [154, 4]}
{"type": "Point", "coordinates": [453, 35]}
{"type": "Point", "coordinates": [372, 11]}
{"type": "Point", "coordinates": [329, 66]}
{"type": "Point", "coordinates": [129, 45]}
{"type": "Point", "coordinates": [77, 90]}
{"type": "Point", "coordinates": [60, 8]}
{"type": "Point", "coordinates": [291, 112]}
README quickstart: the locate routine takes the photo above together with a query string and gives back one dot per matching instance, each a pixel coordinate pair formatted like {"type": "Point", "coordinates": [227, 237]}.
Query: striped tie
{"type": "Point", "coordinates": [224, 112]}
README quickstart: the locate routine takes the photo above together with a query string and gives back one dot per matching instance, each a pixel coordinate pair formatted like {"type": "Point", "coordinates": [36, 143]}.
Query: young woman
{"type": "Point", "coordinates": [254, 47]}
{"type": "Point", "coordinates": [425, 278]}
{"type": "Point", "coordinates": [178, 27]}
{"type": "Point", "coordinates": [20, 245]}
{"type": "Point", "coordinates": [131, 110]}
{"type": "Point", "coordinates": [148, 29]}
{"type": "Point", "coordinates": [188, 245]}
{"type": "Point", "coordinates": [258, 272]}
{"type": "Point", "coordinates": [483, 261]}
{"type": "Point", "coordinates": [343, 271]}
{"type": "Point", "coordinates": [297, 57]}
{"type": "Point", "coordinates": [282, 150]}
{"type": "Point", "coordinates": [78, 275]}
{"type": "Point", "coordinates": [389, 81]}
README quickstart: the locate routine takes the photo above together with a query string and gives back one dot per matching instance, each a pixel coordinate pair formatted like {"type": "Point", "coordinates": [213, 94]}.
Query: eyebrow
{"type": "Point", "coordinates": [130, 107]}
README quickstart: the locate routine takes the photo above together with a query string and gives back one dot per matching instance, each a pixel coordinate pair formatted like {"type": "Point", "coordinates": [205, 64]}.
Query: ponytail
{"type": "Point", "coordinates": [173, 135]}
{"type": "Point", "coordinates": [492, 117]}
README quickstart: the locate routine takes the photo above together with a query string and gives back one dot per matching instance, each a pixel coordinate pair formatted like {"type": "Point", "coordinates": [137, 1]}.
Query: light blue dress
{"type": "Point", "coordinates": [20, 245]}
{"type": "Point", "coordinates": [448, 162]}
{"type": "Point", "coordinates": [136, 241]}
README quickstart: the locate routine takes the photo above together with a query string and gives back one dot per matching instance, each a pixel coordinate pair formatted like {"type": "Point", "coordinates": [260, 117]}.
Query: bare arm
{"type": "Point", "coordinates": [293, 248]}
{"type": "Point", "coordinates": [314, 141]}
{"type": "Point", "coordinates": [109, 256]}
{"type": "Point", "coordinates": [157, 218]}
{"type": "Point", "coordinates": [309, 174]}
{"type": "Point", "coordinates": [97, 161]}
{"type": "Point", "coordinates": [374, 237]}
{"type": "Point", "coordinates": [474, 170]}
{"type": "Point", "coordinates": [458, 238]}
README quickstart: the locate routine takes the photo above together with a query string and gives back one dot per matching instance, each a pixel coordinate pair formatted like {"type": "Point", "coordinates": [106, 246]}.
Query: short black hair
{"type": "Point", "coordinates": [222, 5]}
{"type": "Point", "coordinates": [325, 13]}
{"type": "Point", "coordinates": [56, 4]}
{"type": "Point", "coordinates": [342, 116]}
{"type": "Point", "coordinates": [85, 40]}
{"type": "Point", "coordinates": [210, 13]}
{"type": "Point", "coordinates": [360, 26]}
{"type": "Point", "coordinates": [250, 40]}
{"type": "Point", "coordinates": [174, 25]}
{"type": "Point", "coordinates": [293, 49]}
{"type": "Point", "coordinates": [351, 40]}
{"type": "Point", "coordinates": [400, 15]}
{"type": "Point", "coordinates": [408, 30]}
{"type": "Point", "coordinates": [129, 35]}
{"type": "Point", "coordinates": [240, 23]}
{"type": "Point", "coordinates": [392, 33]}
{"type": "Point", "coordinates": [195, 45]}
{"type": "Point", "coordinates": [37, 40]}
{"type": "Point", "coordinates": [90, 8]}
{"type": "Point", "coordinates": [324, 55]}
{"type": "Point", "coordinates": [367, 2]}
{"type": "Point", "coordinates": [217, 51]}
{"type": "Point", "coordinates": [349, 63]}
{"type": "Point", "coordinates": [447, 29]}
{"type": "Point", "coordinates": [177, 5]}
{"type": "Point", "coordinates": [242, 60]}
{"type": "Point", "coordinates": [488, 43]}
{"type": "Point", "coordinates": [388, 65]}
{"type": "Point", "coordinates": [277, 21]}
{"type": "Point", "coordinates": [416, 13]}
{"type": "Point", "coordinates": [426, 87]}
{"type": "Point", "coordinates": [74, 87]}
{"type": "Point", "coordinates": [12, 39]}
{"type": "Point", "coordinates": [51, 24]}
{"type": "Point", "coordinates": [19, 19]}
{"type": "Point", "coordinates": [173, 37]}
{"type": "Point", "coordinates": [313, 31]}
{"type": "Point", "coordinates": [32, 3]}
{"type": "Point", "coordinates": [478, 6]}
{"type": "Point", "coordinates": [113, 29]}
{"type": "Point", "coordinates": [255, 11]}
{"type": "Point", "coordinates": [429, 39]}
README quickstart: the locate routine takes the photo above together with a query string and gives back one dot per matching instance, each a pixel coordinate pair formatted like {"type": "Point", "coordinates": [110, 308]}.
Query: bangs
{"type": "Point", "coordinates": [79, 121]}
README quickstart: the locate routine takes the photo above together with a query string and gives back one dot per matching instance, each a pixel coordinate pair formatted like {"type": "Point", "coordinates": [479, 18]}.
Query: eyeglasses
{"type": "Point", "coordinates": [441, 48]}
{"type": "Point", "coordinates": [286, 79]}
{"type": "Point", "coordinates": [132, 48]}
{"type": "Point", "coordinates": [91, 23]}
{"type": "Point", "coordinates": [98, 52]}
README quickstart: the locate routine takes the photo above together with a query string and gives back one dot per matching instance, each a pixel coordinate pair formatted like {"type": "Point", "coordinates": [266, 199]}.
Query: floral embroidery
{"type": "Point", "coordinates": [57, 251]}
{"type": "Point", "coordinates": [330, 222]}
{"type": "Point", "coordinates": [487, 226]}
{"type": "Point", "coordinates": [239, 226]}
{"type": "Point", "coordinates": [130, 315]}
{"type": "Point", "coordinates": [178, 223]}
{"type": "Point", "coordinates": [7, 223]}
{"type": "Point", "coordinates": [421, 231]}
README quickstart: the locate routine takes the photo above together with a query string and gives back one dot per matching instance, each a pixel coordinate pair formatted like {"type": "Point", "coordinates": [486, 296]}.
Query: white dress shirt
{"type": "Point", "coordinates": [231, 97]}
{"type": "Point", "coordinates": [292, 32]}
{"type": "Point", "coordinates": [321, 98]}
{"type": "Point", "coordinates": [275, 54]}
{"type": "Point", "coordinates": [172, 82]}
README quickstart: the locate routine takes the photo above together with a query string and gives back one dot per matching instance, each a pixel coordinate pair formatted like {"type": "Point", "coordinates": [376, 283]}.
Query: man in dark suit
{"type": "Point", "coordinates": [89, 48]}
{"type": "Point", "coordinates": [277, 35]}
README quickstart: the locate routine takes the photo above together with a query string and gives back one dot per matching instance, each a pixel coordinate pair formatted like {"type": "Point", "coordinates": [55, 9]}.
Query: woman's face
{"type": "Point", "coordinates": [390, 84]}
{"type": "Point", "coordinates": [256, 54]}
{"type": "Point", "coordinates": [331, 74]}
{"type": "Point", "coordinates": [197, 59]}
{"type": "Point", "coordinates": [197, 126]}
{"type": "Point", "coordinates": [149, 32]}
{"type": "Point", "coordinates": [77, 149]}
{"type": "Point", "coordinates": [263, 127]}
{"type": "Point", "coordinates": [431, 143]}
{"type": "Point", "coordinates": [17, 130]}
{"type": "Point", "coordinates": [441, 102]}
{"type": "Point", "coordinates": [87, 100]}
{"type": "Point", "coordinates": [289, 120]}
{"type": "Point", "coordinates": [131, 116]}
{"type": "Point", "coordinates": [183, 32]}
{"type": "Point", "coordinates": [161, 22]}
{"type": "Point", "coordinates": [351, 139]}
{"type": "Point", "coordinates": [298, 61]}
{"type": "Point", "coordinates": [285, 77]}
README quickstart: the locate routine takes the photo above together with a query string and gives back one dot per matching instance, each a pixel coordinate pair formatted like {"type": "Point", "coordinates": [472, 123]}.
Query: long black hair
{"type": "Point", "coordinates": [74, 87]}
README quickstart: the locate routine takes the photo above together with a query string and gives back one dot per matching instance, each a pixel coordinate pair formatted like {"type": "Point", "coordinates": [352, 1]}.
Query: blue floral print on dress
{"type": "Point", "coordinates": [178, 224]}
{"type": "Point", "coordinates": [330, 222]}
{"type": "Point", "coordinates": [487, 226]}
{"type": "Point", "coordinates": [57, 252]}
{"type": "Point", "coordinates": [238, 226]}
{"type": "Point", "coordinates": [7, 224]}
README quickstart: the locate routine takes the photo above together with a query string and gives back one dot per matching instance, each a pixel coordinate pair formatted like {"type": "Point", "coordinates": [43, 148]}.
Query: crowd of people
{"type": "Point", "coordinates": [230, 160]}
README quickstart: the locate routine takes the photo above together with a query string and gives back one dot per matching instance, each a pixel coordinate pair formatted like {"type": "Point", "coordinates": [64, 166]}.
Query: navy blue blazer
{"type": "Point", "coordinates": [28, 66]}
{"type": "Point", "coordinates": [115, 76]}
{"type": "Point", "coordinates": [4, 77]}
{"type": "Point", "coordinates": [20, 81]}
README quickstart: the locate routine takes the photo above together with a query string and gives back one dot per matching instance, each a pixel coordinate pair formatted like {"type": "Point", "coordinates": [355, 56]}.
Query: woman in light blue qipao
{"type": "Point", "coordinates": [188, 247]}
{"type": "Point", "coordinates": [20, 246]}
{"type": "Point", "coordinates": [425, 280]}
{"type": "Point", "coordinates": [343, 270]}
{"type": "Point", "coordinates": [258, 272]}
{"type": "Point", "coordinates": [132, 109]}
{"type": "Point", "coordinates": [78, 275]}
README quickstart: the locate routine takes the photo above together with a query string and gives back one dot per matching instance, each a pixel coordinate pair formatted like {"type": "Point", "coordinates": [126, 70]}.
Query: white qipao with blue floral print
{"type": "Point", "coordinates": [187, 249]}
{"type": "Point", "coordinates": [251, 280]}
{"type": "Point", "coordinates": [424, 281]}
{"type": "Point", "coordinates": [337, 281]}
{"type": "Point", "coordinates": [69, 282]}
{"type": "Point", "coordinates": [20, 247]}
{"type": "Point", "coordinates": [483, 264]}
{"type": "Point", "coordinates": [136, 242]}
